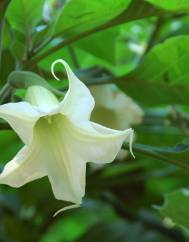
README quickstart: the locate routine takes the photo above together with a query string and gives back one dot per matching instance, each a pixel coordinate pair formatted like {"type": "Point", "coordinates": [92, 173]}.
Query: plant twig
{"type": "Point", "coordinates": [155, 32]}
{"type": "Point", "coordinates": [143, 149]}
{"type": "Point", "coordinates": [124, 17]}
{"type": "Point", "coordinates": [62, 44]}
{"type": "Point", "coordinates": [73, 57]}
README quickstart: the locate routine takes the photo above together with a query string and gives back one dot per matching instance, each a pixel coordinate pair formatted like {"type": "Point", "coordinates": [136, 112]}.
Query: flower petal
{"type": "Point", "coordinates": [42, 98]}
{"type": "Point", "coordinates": [68, 185]}
{"type": "Point", "coordinates": [65, 169]}
{"type": "Point", "coordinates": [96, 143]}
{"type": "Point", "coordinates": [66, 208]}
{"type": "Point", "coordinates": [25, 167]}
{"type": "Point", "coordinates": [21, 117]}
{"type": "Point", "coordinates": [49, 154]}
{"type": "Point", "coordinates": [78, 102]}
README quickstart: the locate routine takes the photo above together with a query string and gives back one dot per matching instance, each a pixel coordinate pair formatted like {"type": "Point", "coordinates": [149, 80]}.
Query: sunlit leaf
{"type": "Point", "coordinates": [82, 15]}
{"type": "Point", "coordinates": [162, 77]}
{"type": "Point", "coordinates": [172, 5]}
{"type": "Point", "coordinates": [100, 44]}
{"type": "Point", "coordinates": [23, 15]}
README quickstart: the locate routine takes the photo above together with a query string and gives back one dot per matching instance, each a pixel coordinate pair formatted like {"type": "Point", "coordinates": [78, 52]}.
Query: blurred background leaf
{"type": "Point", "coordinates": [175, 208]}
{"type": "Point", "coordinates": [24, 15]}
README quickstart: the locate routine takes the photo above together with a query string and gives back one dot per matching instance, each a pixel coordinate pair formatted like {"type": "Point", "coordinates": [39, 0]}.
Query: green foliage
{"type": "Point", "coordinates": [174, 5]}
{"type": "Point", "coordinates": [23, 15]}
{"type": "Point", "coordinates": [6, 69]}
{"type": "Point", "coordinates": [3, 6]}
{"type": "Point", "coordinates": [175, 208]}
{"type": "Point", "coordinates": [10, 139]}
{"type": "Point", "coordinates": [121, 231]}
{"type": "Point", "coordinates": [76, 224]}
{"type": "Point", "coordinates": [25, 79]}
{"type": "Point", "coordinates": [94, 44]}
{"type": "Point", "coordinates": [162, 75]}
{"type": "Point", "coordinates": [80, 15]}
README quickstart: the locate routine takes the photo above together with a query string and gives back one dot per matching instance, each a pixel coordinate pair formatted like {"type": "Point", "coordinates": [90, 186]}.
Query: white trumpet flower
{"type": "Point", "coordinates": [114, 108]}
{"type": "Point", "coordinates": [59, 139]}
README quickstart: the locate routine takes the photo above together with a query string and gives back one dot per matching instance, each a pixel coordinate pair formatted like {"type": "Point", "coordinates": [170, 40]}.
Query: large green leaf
{"type": "Point", "coordinates": [138, 9]}
{"type": "Point", "coordinates": [6, 66]}
{"type": "Point", "coordinates": [162, 77]}
{"type": "Point", "coordinates": [76, 223]}
{"type": "Point", "coordinates": [24, 79]}
{"type": "Point", "coordinates": [122, 231]}
{"type": "Point", "coordinates": [3, 6]}
{"type": "Point", "coordinates": [100, 44]}
{"type": "Point", "coordinates": [171, 5]}
{"type": "Point", "coordinates": [81, 15]}
{"type": "Point", "coordinates": [175, 209]}
{"type": "Point", "coordinates": [177, 155]}
{"type": "Point", "coordinates": [23, 15]}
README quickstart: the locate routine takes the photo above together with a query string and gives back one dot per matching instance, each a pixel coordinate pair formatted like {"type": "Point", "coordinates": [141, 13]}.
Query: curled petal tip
{"type": "Point", "coordinates": [66, 208]}
{"type": "Point", "coordinates": [52, 68]}
{"type": "Point", "coordinates": [131, 136]}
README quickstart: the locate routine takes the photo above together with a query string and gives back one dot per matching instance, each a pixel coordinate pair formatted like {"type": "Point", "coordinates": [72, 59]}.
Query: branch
{"type": "Point", "coordinates": [152, 152]}
{"type": "Point", "coordinates": [144, 11]}
{"type": "Point", "coordinates": [73, 57]}
{"type": "Point", "coordinates": [62, 44]}
{"type": "Point", "coordinates": [155, 32]}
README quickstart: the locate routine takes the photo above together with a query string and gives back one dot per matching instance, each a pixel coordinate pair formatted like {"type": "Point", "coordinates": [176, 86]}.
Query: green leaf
{"type": "Point", "coordinates": [42, 36]}
{"type": "Point", "coordinates": [18, 47]}
{"type": "Point", "coordinates": [171, 5]}
{"type": "Point", "coordinates": [177, 155]}
{"type": "Point", "coordinates": [81, 15]}
{"type": "Point", "coordinates": [100, 44]}
{"type": "Point", "coordinates": [3, 6]}
{"type": "Point", "coordinates": [23, 15]}
{"type": "Point", "coordinates": [138, 9]}
{"type": "Point", "coordinates": [24, 79]}
{"type": "Point", "coordinates": [175, 209]}
{"type": "Point", "coordinates": [74, 224]}
{"type": "Point", "coordinates": [162, 76]}
{"type": "Point", "coordinates": [155, 127]}
{"type": "Point", "coordinates": [18, 230]}
{"type": "Point", "coordinates": [6, 66]}
{"type": "Point", "coordinates": [8, 141]}
{"type": "Point", "coordinates": [122, 231]}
